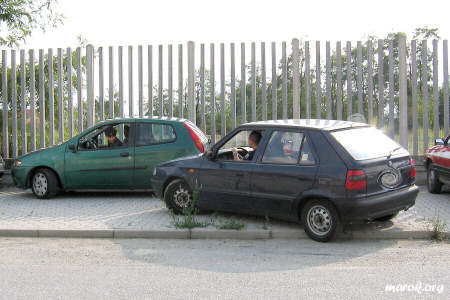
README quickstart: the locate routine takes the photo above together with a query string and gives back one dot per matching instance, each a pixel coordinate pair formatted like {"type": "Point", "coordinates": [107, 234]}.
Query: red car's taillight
{"type": "Point", "coordinates": [413, 168]}
{"type": "Point", "coordinates": [198, 143]}
{"type": "Point", "coordinates": [356, 180]}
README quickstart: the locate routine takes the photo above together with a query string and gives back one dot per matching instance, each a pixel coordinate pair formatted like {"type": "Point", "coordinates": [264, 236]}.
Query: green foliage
{"type": "Point", "coordinates": [438, 228]}
{"type": "Point", "coordinates": [231, 223]}
{"type": "Point", "coordinates": [23, 16]}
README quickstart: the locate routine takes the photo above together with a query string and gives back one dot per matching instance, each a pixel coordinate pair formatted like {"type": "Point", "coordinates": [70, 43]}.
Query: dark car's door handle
{"type": "Point", "coordinates": [125, 154]}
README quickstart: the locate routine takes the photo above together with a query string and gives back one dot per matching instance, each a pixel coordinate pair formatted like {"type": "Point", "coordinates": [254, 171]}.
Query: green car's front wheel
{"type": "Point", "coordinates": [44, 184]}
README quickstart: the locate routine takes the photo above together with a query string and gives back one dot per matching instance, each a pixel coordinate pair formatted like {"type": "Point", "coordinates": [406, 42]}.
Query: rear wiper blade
{"type": "Point", "coordinates": [392, 151]}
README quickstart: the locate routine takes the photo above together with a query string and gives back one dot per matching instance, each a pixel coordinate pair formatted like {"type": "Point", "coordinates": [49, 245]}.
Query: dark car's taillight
{"type": "Point", "coordinates": [413, 168]}
{"type": "Point", "coordinates": [356, 180]}
{"type": "Point", "coordinates": [195, 138]}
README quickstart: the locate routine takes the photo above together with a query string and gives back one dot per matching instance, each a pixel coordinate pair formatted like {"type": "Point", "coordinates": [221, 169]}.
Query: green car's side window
{"type": "Point", "coordinates": [154, 133]}
{"type": "Point", "coordinates": [106, 137]}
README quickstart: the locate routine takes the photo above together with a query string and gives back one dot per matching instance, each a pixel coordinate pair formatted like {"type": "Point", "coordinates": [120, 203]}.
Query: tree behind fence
{"type": "Point", "coordinates": [48, 97]}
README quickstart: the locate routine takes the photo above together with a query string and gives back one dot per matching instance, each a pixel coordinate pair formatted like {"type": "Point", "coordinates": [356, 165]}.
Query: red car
{"type": "Point", "coordinates": [437, 163]}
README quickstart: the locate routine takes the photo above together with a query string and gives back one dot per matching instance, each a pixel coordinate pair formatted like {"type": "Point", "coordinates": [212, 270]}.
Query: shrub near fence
{"type": "Point", "coordinates": [393, 84]}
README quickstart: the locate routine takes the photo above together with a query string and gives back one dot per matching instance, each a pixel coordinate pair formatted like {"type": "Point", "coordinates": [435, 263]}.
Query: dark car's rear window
{"type": "Point", "coordinates": [366, 143]}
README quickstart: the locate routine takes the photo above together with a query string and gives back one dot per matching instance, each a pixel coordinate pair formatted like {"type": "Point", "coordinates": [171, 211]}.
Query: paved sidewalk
{"type": "Point", "coordinates": [113, 213]}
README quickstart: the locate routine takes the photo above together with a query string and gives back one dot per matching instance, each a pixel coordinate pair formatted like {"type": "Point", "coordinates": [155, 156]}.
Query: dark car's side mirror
{"type": "Point", "coordinates": [439, 142]}
{"type": "Point", "coordinates": [72, 148]}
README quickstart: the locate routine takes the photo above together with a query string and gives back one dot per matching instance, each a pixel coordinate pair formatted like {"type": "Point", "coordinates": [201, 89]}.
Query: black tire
{"type": "Point", "coordinates": [433, 184]}
{"type": "Point", "coordinates": [387, 218]}
{"type": "Point", "coordinates": [44, 184]}
{"type": "Point", "coordinates": [323, 220]}
{"type": "Point", "coordinates": [178, 196]}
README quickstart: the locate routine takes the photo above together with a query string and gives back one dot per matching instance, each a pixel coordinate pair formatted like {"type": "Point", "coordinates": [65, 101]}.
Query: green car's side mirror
{"type": "Point", "coordinates": [72, 148]}
{"type": "Point", "coordinates": [439, 142]}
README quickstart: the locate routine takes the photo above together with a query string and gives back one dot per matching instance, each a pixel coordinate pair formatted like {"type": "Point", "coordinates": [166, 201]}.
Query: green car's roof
{"type": "Point", "coordinates": [164, 119]}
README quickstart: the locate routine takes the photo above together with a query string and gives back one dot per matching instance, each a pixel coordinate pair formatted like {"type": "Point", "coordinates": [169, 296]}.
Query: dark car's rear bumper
{"type": "Point", "coordinates": [380, 205]}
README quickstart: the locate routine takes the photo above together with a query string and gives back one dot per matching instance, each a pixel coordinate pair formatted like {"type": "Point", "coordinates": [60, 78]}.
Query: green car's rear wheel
{"type": "Point", "coordinates": [44, 184]}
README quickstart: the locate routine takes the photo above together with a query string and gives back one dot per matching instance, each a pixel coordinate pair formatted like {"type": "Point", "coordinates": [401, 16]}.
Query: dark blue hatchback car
{"type": "Point", "coordinates": [322, 173]}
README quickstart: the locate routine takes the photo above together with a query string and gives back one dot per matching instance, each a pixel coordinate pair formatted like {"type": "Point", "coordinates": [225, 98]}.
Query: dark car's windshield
{"type": "Point", "coordinates": [367, 143]}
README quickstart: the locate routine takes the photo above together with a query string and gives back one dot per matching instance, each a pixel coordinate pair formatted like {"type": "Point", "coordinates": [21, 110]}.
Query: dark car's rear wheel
{"type": "Point", "coordinates": [44, 184]}
{"type": "Point", "coordinates": [433, 184]}
{"type": "Point", "coordinates": [178, 196]}
{"type": "Point", "coordinates": [320, 220]}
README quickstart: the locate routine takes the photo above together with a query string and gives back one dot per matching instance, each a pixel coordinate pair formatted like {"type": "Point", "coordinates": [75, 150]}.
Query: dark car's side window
{"type": "Point", "coordinates": [283, 148]}
{"type": "Point", "coordinates": [153, 133]}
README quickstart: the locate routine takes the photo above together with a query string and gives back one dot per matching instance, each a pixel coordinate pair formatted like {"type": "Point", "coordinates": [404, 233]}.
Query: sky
{"type": "Point", "coordinates": [134, 22]}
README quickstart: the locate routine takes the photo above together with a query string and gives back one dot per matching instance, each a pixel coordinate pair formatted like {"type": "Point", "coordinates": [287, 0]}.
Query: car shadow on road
{"type": "Point", "coordinates": [237, 256]}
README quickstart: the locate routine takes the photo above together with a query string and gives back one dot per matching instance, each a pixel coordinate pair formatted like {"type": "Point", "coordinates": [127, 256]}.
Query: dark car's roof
{"type": "Point", "coordinates": [307, 123]}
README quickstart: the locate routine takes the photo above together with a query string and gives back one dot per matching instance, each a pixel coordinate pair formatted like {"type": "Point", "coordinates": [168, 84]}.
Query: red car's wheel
{"type": "Point", "coordinates": [433, 183]}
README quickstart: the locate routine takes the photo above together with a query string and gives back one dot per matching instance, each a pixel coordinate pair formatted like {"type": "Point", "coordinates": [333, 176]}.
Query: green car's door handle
{"type": "Point", "coordinates": [125, 154]}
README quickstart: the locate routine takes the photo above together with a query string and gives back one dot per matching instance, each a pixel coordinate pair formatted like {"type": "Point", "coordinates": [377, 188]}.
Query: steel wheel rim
{"type": "Point", "coordinates": [181, 197]}
{"type": "Point", "coordinates": [40, 184]}
{"type": "Point", "coordinates": [319, 220]}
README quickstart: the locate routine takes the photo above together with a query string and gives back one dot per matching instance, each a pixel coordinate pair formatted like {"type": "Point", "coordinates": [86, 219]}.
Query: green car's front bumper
{"type": "Point", "coordinates": [20, 176]}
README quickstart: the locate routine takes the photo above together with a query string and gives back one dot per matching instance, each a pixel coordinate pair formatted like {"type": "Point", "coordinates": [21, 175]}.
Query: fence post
{"type": "Point", "coordinates": [403, 101]}
{"type": "Point", "coordinates": [13, 79]}
{"type": "Point", "coordinates": [5, 148]}
{"type": "Point", "coordinates": [296, 79]}
{"type": "Point", "coordinates": [90, 84]}
{"type": "Point", "coordinates": [51, 97]}
{"type": "Point", "coordinates": [445, 84]}
{"type": "Point", "coordinates": [191, 81]}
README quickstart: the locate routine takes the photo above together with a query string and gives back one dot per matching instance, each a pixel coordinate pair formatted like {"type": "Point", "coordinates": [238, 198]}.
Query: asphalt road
{"type": "Point", "coordinates": [166, 269]}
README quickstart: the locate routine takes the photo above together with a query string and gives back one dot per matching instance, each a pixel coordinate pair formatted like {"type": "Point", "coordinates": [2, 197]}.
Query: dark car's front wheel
{"type": "Point", "coordinates": [44, 184]}
{"type": "Point", "coordinates": [320, 220]}
{"type": "Point", "coordinates": [433, 183]}
{"type": "Point", "coordinates": [178, 196]}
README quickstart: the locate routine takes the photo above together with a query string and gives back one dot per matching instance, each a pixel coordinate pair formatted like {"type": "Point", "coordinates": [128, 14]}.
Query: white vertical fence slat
{"type": "Point", "coordinates": [160, 80]}
{"type": "Point", "coordinates": [380, 83]}
{"type": "Point", "coordinates": [202, 88]}
{"type": "Point", "coordinates": [370, 81]}
{"type": "Point", "coordinates": [223, 118]}
{"type": "Point", "coordinates": [318, 83]}
{"type": "Point", "coordinates": [23, 105]}
{"type": "Point", "coordinates": [233, 86]}
{"type": "Point", "coordinates": [150, 80]}
{"type": "Point", "coordinates": [296, 79]}
{"type": "Point", "coordinates": [140, 83]}
{"type": "Point", "coordinates": [403, 93]}
{"type": "Point", "coordinates": [130, 82]}
{"type": "Point", "coordinates": [253, 78]}
{"type": "Point", "coordinates": [5, 117]}
{"type": "Point", "coordinates": [192, 113]}
{"type": "Point", "coordinates": [13, 79]}
{"type": "Point", "coordinates": [307, 81]}
{"type": "Point", "coordinates": [79, 91]}
{"type": "Point", "coordinates": [263, 82]}
{"type": "Point", "coordinates": [101, 97]}
{"type": "Point", "coordinates": [41, 100]}
{"type": "Point", "coordinates": [284, 80]}
{"type": "Point", "coordinates": [328, 80]}
{"type": "Point", "coordinates": [359, 77]}
{"type": "Point", "coordinates": [111, 83]}
{"type": "Point", "coordinates": [348, 54]}
{"type": "Point", "coordinates": [212, 94]}
{"type": "Point", "coordinates": [170, 80]}
{"type": "Point", "coordinates": [32, 102]}
{"type": "Point", "coordinates": [414, 97]}
{"type": "Point", "coordinates": [424, 80]}
{"type": "Point", "coordinates": [391, 90]}
{"type": "Point", "coordinates": [120, 57]}
{"type": "Point", "coordinates": [69, 91]}
{"type": "Point", "coordinates": [274, 82]}
{"type": "Point", "coordinates": [338, 81]}
{"type": "Point", "coordinates": [180, 81]}
{"type": "Point", "coordinates": [60, 96]}
{"type": "Point", "coordinates": [445, 84]}
{"type": "Point", "coordinates": [435, 90]}
{"type": "Point", "coordinates": [51, 98]}
{"type": "Point", "coordinates": [243, 86]}
{"type": "Point", "coordinates": [90, 85]}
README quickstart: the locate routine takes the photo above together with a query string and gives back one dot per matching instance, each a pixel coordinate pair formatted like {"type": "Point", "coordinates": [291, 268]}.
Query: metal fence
{"type": "Point", "coordinates": [390, 84]}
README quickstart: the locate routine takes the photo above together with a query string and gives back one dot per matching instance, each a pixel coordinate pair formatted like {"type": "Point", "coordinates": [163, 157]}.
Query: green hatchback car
{"type": "Point", "coordinates": [117, 154]}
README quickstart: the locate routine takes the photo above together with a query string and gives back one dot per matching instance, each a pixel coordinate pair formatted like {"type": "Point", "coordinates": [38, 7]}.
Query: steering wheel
{"type": "Point", "coordinates": [244, 150]}
{"type": "Point", "coordinates": [91, 144]}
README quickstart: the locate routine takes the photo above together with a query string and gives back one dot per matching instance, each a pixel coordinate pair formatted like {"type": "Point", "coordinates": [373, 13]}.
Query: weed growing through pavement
{"type": "Point", "coordinates": [231, 223]}
{"type": "Point", "coordinates": [438, 228]}
{"type": "Point", "coordinates": [266, 223]}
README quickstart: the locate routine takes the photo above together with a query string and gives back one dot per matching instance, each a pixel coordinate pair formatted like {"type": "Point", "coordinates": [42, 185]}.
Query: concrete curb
{"type": "Point", "coordinates": [202, 233]}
